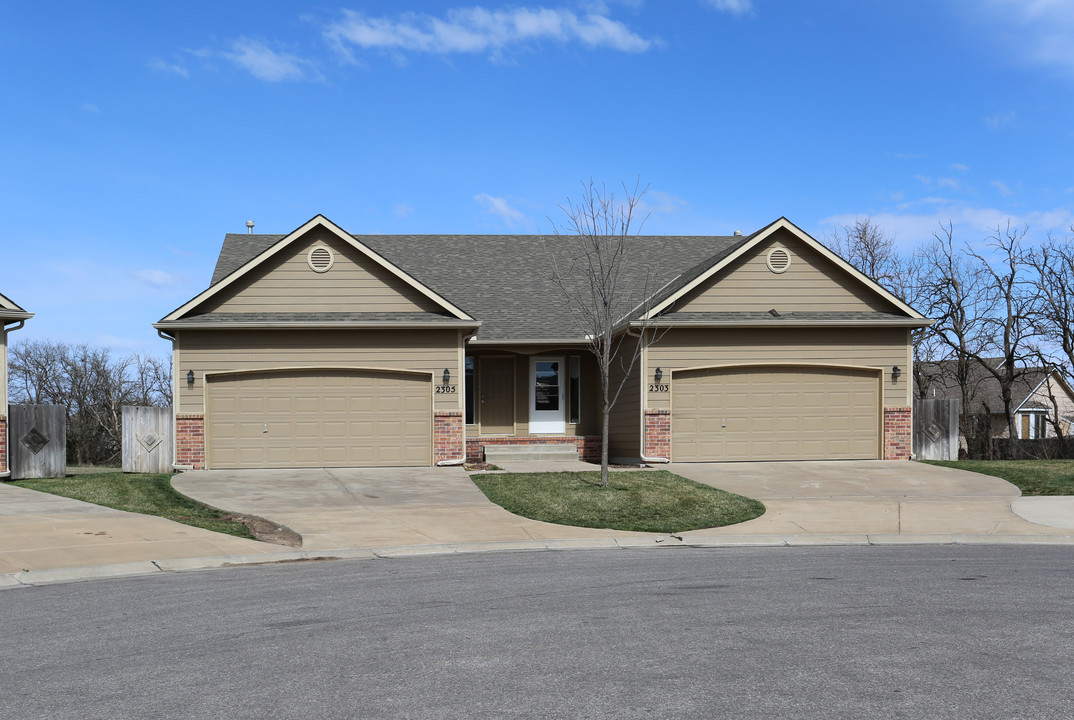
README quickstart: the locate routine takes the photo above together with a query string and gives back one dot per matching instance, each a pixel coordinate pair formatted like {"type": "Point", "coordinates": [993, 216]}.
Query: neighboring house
{"type": "Point", "coordinates": [1040, 396]}
{"type": "Point", "coordinates": [322, 348]}
{"type": "Point", "coordinates": [12, 318]}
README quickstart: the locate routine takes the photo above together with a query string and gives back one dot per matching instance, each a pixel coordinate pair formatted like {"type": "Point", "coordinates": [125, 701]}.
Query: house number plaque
{"type": "Point", "coordinates": [659, 387]}
{"type": "Point", "coordinates": [446, 389]}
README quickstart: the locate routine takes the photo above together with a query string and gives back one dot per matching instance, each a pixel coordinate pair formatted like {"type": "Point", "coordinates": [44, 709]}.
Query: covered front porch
{"type": "Point", "coordinates": [537, 395]}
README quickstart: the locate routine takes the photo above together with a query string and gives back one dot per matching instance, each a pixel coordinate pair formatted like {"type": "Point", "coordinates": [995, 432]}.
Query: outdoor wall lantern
{"type": "Point", "coordinates": [447, 376]}
{"type": "Point", "coordinates": [658, 375]}
{"type": "Point", "coordinates": [895, 372]}
{"type": "Point", "coordinates": [190, 378]}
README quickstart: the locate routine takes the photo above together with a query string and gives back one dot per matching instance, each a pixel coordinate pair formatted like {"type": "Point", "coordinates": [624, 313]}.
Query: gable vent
{"type": "Point", "coordinates": [320, 259]}
{"type": "Point", "coordinates": [778, 260]}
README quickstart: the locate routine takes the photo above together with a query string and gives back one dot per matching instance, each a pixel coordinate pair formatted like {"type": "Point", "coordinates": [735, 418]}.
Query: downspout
{"type": "Point", "coordinates": [645, 458]}
{"type": "Point", "coordinates": [460, 461]}
{"type": "Point", "coordinates": [7, 473]}
{"type": "Point", "coordinates": [175, 400]}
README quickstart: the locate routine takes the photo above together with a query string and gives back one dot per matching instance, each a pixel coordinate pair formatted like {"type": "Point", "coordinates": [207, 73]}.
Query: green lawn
{"type": "Point", "coordinates": [149, 494]}
{"type": "Point", "coordinates": [1033, 477]}
{"type": "Point", "coordinates": [644, 501]}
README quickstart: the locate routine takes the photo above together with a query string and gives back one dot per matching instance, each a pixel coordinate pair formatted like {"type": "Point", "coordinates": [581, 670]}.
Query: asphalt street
{"type": "Point", "coordinates": [834, 632]}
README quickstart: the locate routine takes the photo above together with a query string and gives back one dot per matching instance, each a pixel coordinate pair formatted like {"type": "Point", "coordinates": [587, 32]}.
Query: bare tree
{"type": "Point", "coordinates": [866, 246]}
{"type": "Point", "coordinates": [1053, 262]}
{"type": "Point", "coordinates": [954, 290]}
{"type": "Point", "coordinates": [589, 256]}
{"type": "Point", "coordinates": [1012, 326]}
{"type": "Point", "coordinates": [92, 386]}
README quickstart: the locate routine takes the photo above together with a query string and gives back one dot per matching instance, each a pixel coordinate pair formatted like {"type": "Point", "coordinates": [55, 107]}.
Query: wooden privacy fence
{"type": "Point", "coordinates": [935, 429]}
{"type": "Point", "coordinates": [147, 439]}
{"type": "Point", "coordinates": [37, 441]}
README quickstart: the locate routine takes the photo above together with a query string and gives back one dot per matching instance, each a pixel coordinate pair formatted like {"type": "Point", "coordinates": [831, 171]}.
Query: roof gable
{"type": "Point", "coordinates": [10, 311]}
{"type": "Point", "coordinates": [289, 283]}
{"type": "Point", "coordinates": [269, 258]}
{"type": "Point", "coordinates": [983, 388]}
{"type": "Point", "coordinates": [858, 292]}
{"type": "Point", "coordinates": [809, 283]}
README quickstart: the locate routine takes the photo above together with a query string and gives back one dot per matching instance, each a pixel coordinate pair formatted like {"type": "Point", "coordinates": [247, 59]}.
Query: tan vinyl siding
{"type": "Point", "coordinates": [285, 283]}
{"type": "Point", "coordinates": [811, 284]}
{"type": "Point", "coordinates": [589, 408]}
{"type": "Point", "coordinates": [858, 347]}
{"type": "Point", "coordinates": [625, 424]}
{"type": "Point", "coordinates": [237, 350]}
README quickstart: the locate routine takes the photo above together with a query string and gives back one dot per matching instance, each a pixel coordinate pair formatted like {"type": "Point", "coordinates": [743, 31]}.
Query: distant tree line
{"type": "Point", "coordinates": [1001, 308]}
{"type": "Point", "coordinates": [93, 386]}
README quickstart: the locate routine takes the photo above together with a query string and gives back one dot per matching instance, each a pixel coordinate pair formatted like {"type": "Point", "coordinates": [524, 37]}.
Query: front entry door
{"type": "Point", "coordinates": [546, 395]}
{"type": "Point", "coordinates": [497, 377]}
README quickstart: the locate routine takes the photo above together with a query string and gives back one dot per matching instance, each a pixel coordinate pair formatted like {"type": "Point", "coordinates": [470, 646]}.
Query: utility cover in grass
{"type": "Point", "coordinates": [642, 501]}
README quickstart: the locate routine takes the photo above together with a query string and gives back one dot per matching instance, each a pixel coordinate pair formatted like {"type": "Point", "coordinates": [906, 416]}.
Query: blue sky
{"type": "Point", "coordinates": [136, 134]}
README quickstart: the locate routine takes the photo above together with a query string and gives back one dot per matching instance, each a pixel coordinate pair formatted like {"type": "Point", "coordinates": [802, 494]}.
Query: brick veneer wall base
{"type": "Point", "coordinates": [588, 445]}
{"type": "Point", "coordinates": [898, 433]}
{"type": "Point", "coordinates": [190, 441]}
{"type": "Point", "coordinates": [657, 434]}
{"type": "Point", "coordinates": [447, 435]}
{"type": "Point", "coordinates": [3, 443]}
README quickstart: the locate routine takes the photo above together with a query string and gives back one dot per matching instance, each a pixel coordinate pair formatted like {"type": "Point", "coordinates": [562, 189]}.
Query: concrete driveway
{"type": "Point", "coordinates": [390, 507]}
{"type": "Point", "coordinates": [872, 497]}
{"type": "Point", "coordinates": [334, 508]}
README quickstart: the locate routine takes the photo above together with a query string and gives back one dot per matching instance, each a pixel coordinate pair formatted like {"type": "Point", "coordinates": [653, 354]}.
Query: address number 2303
{"type": "Point", "coordinates": [659, 387]}
{"type": "Point", "coordinates": [447, 389]}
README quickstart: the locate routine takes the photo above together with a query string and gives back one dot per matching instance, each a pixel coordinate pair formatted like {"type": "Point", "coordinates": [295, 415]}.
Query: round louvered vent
{"type": "Point", "coordinates": [778, 260]}
{"type": "Point", "coordinates": [320, 259]}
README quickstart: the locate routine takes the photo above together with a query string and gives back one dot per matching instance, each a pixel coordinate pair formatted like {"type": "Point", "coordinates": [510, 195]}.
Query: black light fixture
{"type": "Point", "coordinates": [895, 372]}
{"type": "Point", "coordinates": [190, 378]}
{"type": "Point", "coordinates": [447, 376]}
{"type": "Point", "coordinates": [658, 375]}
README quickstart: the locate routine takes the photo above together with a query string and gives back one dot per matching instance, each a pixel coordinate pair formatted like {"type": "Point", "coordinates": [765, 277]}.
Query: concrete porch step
{"type": "Point", "coordinates": [530, 453]}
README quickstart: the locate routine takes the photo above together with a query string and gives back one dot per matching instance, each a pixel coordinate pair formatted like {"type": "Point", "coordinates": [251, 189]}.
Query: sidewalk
{"type": "Point", "coordinates": [369, 513]}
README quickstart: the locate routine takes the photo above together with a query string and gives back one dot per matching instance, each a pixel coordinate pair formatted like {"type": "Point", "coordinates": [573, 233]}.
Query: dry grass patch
{"type": "Point", "coordinates": [649, 501]}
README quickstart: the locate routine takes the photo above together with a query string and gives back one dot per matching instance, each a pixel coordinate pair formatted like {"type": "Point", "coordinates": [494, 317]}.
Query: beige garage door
{"type": "Point", "coordinates": [319, 418]}
{"type": "Point", "coordinates": [775, 413]}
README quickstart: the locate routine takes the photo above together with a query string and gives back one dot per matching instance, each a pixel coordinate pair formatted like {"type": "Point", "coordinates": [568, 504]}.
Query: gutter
{"type": "Point", "coordinates": [298, 325]}
{"type": "Point", "coordinates": [908, 322]}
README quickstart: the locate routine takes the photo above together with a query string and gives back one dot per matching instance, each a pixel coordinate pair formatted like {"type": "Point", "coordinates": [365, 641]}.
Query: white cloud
{"type": "Point", "coordinates": [500, 208]}
{"type": "Point", "coordinates": [401, 210]}
{"type": "Point", "coordinates": [655, 201]}
{"type": "Point", "coordinates": [265, 63]}
{"type": "Point", "coordinates": [971, 224]}
{"type": "Point", "coordinates": [477, 30]}
{"type": "Point", "coordinates": [90, 107]}
{"type": "Point", "coordinates": [923, 180]}
{"type": "Point", "coordinates": [1038, 31]}
{"type": "Point", "coordinates": [960, 167]}
{"type": "Point", "coordinates": [734, 7]}
{"type": "Point", "coordinates": [157, 278]}
{"type": "Point", "coordinates": [1000, 120]}
{"type": "Point", "coordinates": [166, 67]}
{"type": "Point", "coordinates": [1001, 187]}
{"type": "Point", "coordinates": [952, 183]}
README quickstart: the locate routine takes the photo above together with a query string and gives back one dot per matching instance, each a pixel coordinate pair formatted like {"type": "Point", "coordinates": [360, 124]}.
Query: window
{"type": "Point", "coordinates": [573, 388]}
{"type": "Point", "coordinates": [471, 388]}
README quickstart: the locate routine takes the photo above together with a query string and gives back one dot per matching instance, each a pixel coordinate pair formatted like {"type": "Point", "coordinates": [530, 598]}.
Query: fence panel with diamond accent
{"type": "Point", "coordinates": [935, 429]}
{"type": "Point", "coordinates": [37, 441]}
{"type": "Point", "coordinates": [147, 439]}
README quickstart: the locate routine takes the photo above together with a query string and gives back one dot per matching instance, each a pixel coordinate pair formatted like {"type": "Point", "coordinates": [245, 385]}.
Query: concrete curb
{"type": "Point", "coordinates": [34, 578]}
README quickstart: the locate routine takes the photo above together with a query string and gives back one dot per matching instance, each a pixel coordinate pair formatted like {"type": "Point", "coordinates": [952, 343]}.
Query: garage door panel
{"type": "Point", "coordinates": [775, 413]}
{"type": "Point", "coordinates": [319, 418]}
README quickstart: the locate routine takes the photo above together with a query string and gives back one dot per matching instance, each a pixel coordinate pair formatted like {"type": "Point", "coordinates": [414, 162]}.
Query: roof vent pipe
{"type": "Point", "coordinates": [738, 233]}
{"type": "Point", "coordinates": [249, 227]}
